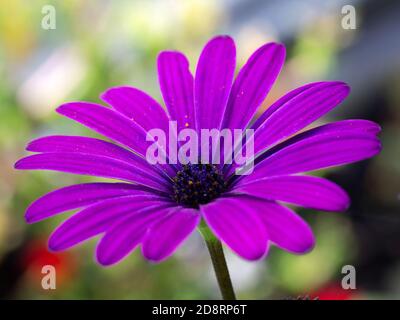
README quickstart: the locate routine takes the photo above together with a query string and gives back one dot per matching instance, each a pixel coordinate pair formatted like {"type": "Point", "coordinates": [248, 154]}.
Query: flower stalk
{"type": "Point", "coordinates": [219, 263]}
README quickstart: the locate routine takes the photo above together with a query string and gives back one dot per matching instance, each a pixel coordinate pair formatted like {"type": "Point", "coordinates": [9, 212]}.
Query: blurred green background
{"type": "Point", "coordinates": [99, 44]}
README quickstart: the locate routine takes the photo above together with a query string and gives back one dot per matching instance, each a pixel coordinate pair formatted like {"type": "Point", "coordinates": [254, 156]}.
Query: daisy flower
{"type": "Point", "coordinates": [158, 206]}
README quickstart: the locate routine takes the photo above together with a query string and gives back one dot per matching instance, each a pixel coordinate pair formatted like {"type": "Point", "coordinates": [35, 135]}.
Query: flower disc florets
{"type": "Point", "coordinates": [198, 184]}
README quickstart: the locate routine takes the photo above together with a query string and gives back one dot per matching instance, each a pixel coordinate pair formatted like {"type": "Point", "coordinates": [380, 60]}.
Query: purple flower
{"type": "Point", "coordinates": [159, 206]}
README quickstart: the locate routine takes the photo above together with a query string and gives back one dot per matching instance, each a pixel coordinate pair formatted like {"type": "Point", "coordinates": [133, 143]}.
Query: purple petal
{"type": "Point", "coordinates": [108, 123]}
{"type": "Point", "coordinates": [92, 165]}
{"type": "Point", "coordinates": [164, 237]}
{"type": "Point", "coordinates": [213, 81]}
{"type": "Point", "coordinates": [298, 112]}
{"type": "Point", "coordinates": [252, 85]}
{"type": "Point", "coordinates": [286, 229]}
{"type": "Point", "coordinates": [97, 219]}
{"type": "Point", "coordinates": [137, 106]}
{"type": "Point", "coordinates": [86, 145]}
{"type": "Point", "coordinates": [235, 221]}
{"type": "Point", "coordinates": [306, 191]}
{"type": "Point", "coordinates": [78, 196]}
{"type": "Point", "coordinates": [280, 102]}
{"type": "Point", "coordinates": [176, 83]}
{"type": "Point", "coordinates": [364, 127]}
{"type": "Point", "coordinates": [113, 125]}
{"type": "Point", "coordinates": [325, 146]}
{"type": "Point", "coordinates": [124, 236]}
{"type": "Point", "coordinates": [284, 101]}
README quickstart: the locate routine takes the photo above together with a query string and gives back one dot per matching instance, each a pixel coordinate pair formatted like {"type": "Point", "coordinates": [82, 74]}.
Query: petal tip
{"type": "Point", "coordinates": [112, 90]}
{"type": "Point", "coordinates": [30, 146]}
{"type": "Point", "coordinates": [167, 53]}
{"type": "Point", "coordinates": [69, 108]}
{"type": "Point", "coordinates": [256, 256]}
{"type": "Point", "coordinates": [154, 259]}
{"type": "Point", "coordinates": [308, 244]}
{"type": "Point", "coordinates": [19, 164]}
{"type": "Point", "coordinates": [225, 39]}
{"type": "Point", "coordinates": [103, 260]}
{"type": "Point", "coordinates": [345, 88]}
{"type": "Point", "coordinates": [63, 109]}
{"type": "Point", "coordinates": [378, 128]}
{"type": "Point", "coordinates": [280, 47]}
{"type": "Point", "coordinates": [306, 247]}
{"type": "Point", "coordinates": [53, 247]}
{"type": "Point", "coordinates": [310, 247]}
{"type": "Point", "coordinates": [346, 203]}
{"type": "Point", "coordinates": [29, 218]}
{"type": "Point", "coordinates": [55, 242]}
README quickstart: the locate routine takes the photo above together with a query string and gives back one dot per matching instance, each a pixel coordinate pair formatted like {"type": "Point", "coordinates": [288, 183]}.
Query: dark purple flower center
{"type": "Point", "coordinates": [198, 184]}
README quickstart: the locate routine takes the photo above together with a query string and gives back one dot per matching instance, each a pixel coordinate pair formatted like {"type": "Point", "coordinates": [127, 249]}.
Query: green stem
{"type": "Point", "coordinates": [218, 260]}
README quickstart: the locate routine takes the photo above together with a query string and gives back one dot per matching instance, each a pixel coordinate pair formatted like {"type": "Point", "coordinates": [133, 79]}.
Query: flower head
{"type": "Point", "coordinates": [159, 205]}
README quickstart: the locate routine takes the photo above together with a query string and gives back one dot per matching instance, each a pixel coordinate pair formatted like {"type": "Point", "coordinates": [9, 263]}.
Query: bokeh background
{"type": "Point", "coordinates": [98, 44]}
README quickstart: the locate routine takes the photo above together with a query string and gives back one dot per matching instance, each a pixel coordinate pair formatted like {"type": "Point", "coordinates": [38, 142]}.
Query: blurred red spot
{"type": "Point", "coordinates": [335, 292]}
{"type": "Point", "coordinates": [36, 255]}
